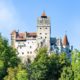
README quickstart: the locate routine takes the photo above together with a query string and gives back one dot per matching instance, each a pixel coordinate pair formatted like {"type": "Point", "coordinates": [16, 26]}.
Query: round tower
{"type": "Point", "coordinates": [13, 38]}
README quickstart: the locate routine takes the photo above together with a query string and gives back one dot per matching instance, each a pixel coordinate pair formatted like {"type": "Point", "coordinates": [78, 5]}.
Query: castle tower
{"type": "Point", "coordinates": [65, 41]}
{"type": "Point", "coordinates": [13, 38]}
{"type": "Point", "coordinates": [65, 44]}
{"type": "Point", "coordinates": [44, 30]}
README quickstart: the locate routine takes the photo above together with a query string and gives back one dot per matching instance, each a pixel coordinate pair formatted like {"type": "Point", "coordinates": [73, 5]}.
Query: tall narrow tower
{"type": "Point", "coordinates": [44, 30]}
{"type": "Point", "coordinates": [65, 44]}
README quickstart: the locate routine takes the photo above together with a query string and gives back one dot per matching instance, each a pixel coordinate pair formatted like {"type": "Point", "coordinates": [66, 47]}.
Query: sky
{"type": "Point", "coordinates": [22, 15]}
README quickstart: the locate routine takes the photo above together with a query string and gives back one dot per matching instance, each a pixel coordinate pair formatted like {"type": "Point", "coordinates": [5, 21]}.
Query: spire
{"type": "Point", "coordinates": [65, 40]}
{"type": "Point", "coordinates": [43, 15]}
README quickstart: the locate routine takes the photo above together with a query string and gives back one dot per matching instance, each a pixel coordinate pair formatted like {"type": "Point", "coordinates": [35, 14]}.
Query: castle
{"type": "Point", "coordinates": [27, 43]}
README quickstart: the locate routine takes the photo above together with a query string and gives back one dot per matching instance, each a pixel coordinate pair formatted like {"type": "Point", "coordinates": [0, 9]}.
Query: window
{"type": "Point", "coordinates": [41, 37]}
{"type": "Point", "coordinates": [40, 33]}
{"type": "Point", "coordinates": [45, 33]}
{"type": "Point", "coordinates": [46, 28]}
{"type": "Point", "coordinates": [30, 52]}
{"type": "Point", "coordinates": [22, 52]}
{"type": "Point", "coordinates": [40, 28]}
{"type": "Point", "coordinates": [45, 37]}
{"type": "Point", "coordinates": [24, 45]}
{"type": "Point", "coordinates": [20, 47]}
{"type": "Point", "coordinates": [30, 46]}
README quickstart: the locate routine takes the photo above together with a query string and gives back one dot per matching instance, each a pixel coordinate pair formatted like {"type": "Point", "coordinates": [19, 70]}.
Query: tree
{"type": "Point", "coordinates": [22, 73]}
{"type": "Point", "coordinates": [56, 64]}
{"type": "Point", "coordinates": [1, 68]}
{"type": "Point", "coordinates": [72, 72]}
{"type": "Point", "coordinates": [76, 64]}
{"type": "Point", "coordinates": [48, 67]}
{"type": "Point", "coordinates": [53, 65]}
{"type": "Point", "coordinates": [8, 57]}
{"type": "Point", "coordinates": [17, 73]}
{"type": "Point", "coordinates": [11, 74]}
{"type": "Point", "coordinates": [39, 66]}
{"type": "Point", "coordinates": [67, 74]}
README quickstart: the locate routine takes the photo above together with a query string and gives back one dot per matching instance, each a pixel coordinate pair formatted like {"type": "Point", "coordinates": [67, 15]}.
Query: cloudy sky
{"type": "Point", "coordinates": [22, 15]}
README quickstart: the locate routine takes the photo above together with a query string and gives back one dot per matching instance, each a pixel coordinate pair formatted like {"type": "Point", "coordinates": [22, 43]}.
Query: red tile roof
{"type": "Point", "coordinates": [43, 15]}
{"type": "Point", "coordinates": [21, 36]}
{"type": "Point", "coordinates": [32, 34]}
{"type": "Point", "coordinates": [65, 40]}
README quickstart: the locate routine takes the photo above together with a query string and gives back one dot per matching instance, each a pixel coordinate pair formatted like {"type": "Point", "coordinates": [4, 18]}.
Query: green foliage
{"type": "Point", "coordinates": [67, 74]}
{"type": "Point", "coordinates": [21, 73]}
{"type": "Point", "coordinates": [8, 57]}
{"type": "Point", "coordinates": [11, 74]}
{"type": "Point", "coordinates": [46, 67]}
{"type": "Point", "coordinates": [1, 68]}
{"type": "Point", "coordinates": [76, 64]}
{"type": "Point", "coordinates": [56, 64]}
{"type": "Point", "coordinates": [72, 72]}
{"type": "Point", "coordinates": [39, 67]}
{"type": "Point", "coordinates": [17, 73]}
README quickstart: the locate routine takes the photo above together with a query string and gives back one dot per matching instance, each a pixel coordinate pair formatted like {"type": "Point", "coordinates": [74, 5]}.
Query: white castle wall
{"type": "Point", "coordinates": [26, 49]}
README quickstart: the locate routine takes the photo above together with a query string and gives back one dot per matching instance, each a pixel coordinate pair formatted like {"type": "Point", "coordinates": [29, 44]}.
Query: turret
{"type": "Point", "coordinates": [65, 41]}
{"type": "Point", "coordinates": [13, 38]}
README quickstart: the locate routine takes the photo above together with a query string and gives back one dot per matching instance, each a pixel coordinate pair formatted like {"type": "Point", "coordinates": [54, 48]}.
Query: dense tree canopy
{"type": "Point", "coordinates": [48, 67]}
{"type": "Point", "coordinates": [44, 67]}
{"type": "Point", "coordinates": [8, 57]}
{"type": "Point", "coordinates": [17, 73]}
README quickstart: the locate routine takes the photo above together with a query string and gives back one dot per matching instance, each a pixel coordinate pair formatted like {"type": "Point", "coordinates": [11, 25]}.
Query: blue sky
{"type": "Point", "coordinates": [22, 15]}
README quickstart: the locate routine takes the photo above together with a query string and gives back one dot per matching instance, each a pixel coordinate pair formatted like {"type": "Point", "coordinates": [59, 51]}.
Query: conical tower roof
{"type": "Point", "coordinates": [43, 15]}
{"type": "Point", "coordinates": [65, 40]}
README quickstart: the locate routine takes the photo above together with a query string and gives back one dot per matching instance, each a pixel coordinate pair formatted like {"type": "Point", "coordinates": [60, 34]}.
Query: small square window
{"type": "Point", "coordinates": [45, 37]}
{"type": "Point", "coordinates": [30, 46]}
{"type": "Point", "coordinates": [40, 28]}
{"type": "Point", "coordinates": [40, 33]}
{"type": "Point", "coordinates": [22, 52]}
{"type": "Point", "coordinates": [41, 37]}
{"type": "Point", "coordinates": [46, 28]}
{"type": "Point", "coordinates": [45, 33]}
{"type": "Point", "coordinates": [28, 52]}
{"type": "Point", "coordinates": [20, 47]}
